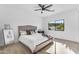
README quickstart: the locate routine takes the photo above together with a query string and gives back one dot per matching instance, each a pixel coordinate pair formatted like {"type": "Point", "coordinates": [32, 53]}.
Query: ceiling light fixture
{"type": "Point", "coordinates": [45, 7]}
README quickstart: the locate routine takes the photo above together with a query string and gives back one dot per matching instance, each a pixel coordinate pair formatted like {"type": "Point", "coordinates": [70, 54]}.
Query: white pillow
{"type": "Point", "coordinates": [23, 32]}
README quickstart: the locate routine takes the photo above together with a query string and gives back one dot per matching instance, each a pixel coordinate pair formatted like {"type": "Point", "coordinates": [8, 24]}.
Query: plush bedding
{"type": "Point", "coordinates": [32, 40]}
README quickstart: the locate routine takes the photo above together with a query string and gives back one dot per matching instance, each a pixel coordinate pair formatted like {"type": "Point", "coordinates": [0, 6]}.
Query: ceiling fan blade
{"type": "Point", "coordinates": [37, 9]}
{"type": "Point", "coordinates": [49, 6]}
{"type": "Point", "coordinates": [40, 5]}
{"type": "Point", "coordinates": [50, 10]}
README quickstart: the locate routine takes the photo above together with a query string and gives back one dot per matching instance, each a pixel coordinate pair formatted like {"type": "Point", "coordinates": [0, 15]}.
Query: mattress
{"type": "Point", "coordinates": [32, 40]}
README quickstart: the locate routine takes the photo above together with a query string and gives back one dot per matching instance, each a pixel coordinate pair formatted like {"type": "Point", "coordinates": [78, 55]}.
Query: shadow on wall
{"type": "Point", "coordinates": [1, 38]}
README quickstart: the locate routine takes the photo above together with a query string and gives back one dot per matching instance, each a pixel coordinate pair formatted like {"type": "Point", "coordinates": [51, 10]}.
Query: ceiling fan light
{"type": "Point", "coordinates": [42, 11]}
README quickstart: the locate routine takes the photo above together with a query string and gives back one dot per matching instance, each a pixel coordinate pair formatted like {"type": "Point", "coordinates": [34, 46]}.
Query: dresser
{"type": "Point", "coordinates": [8, 36]}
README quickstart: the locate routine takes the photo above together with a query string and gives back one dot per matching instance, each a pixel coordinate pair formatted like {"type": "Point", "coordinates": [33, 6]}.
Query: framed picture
{"type": "Point", "coordinates": [8, 35]}
{"type": "Point", "coordinates": [51, 25]}
{"type": "Point", "coordinates": [57, 25]}
{"type": "Point", "coordinates": [7, 26]}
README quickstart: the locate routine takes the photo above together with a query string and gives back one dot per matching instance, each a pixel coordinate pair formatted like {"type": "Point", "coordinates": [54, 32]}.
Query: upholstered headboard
{"type": "Point", "coordinates": [26, 28]}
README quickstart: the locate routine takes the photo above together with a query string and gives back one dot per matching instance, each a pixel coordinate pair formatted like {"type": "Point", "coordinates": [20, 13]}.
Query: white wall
{"type": "Point", "coordinates": [17, 16]}
{"type": "Point", "coordinates": [71, 21]}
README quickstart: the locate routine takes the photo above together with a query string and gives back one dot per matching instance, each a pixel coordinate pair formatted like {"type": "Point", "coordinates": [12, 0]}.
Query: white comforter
{"type": "Point", "coordinates": [32, 40]}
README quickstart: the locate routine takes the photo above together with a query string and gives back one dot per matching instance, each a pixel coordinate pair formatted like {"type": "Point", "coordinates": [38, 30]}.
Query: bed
{"type": "Point", "coordinates": [34, 41]}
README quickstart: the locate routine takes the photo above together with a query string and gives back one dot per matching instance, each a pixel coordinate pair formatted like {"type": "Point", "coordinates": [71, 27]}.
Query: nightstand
{"type": "Point", "coordinates": [41, 31]}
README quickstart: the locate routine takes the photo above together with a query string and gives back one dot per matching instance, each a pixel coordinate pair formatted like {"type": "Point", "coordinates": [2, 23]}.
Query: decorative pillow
{"type": "Point", "coordinates": [32, 32]}
{"type": "Point", "coordinates": [28, 32]}
{"type": "Point", "coordinates": [23, 33]}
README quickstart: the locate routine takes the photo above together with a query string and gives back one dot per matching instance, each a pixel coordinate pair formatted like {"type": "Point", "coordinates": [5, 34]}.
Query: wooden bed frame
{"type": "Point", "coordinates": [33, 28]}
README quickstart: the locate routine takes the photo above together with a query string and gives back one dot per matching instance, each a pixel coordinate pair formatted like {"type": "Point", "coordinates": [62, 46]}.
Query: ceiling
{"type": "Point", "coordinates": [31, 7]}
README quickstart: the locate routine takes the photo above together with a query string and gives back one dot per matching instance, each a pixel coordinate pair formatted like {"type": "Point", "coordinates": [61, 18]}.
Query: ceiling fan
{"type": "Point", "coordinates": [44, 7]}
